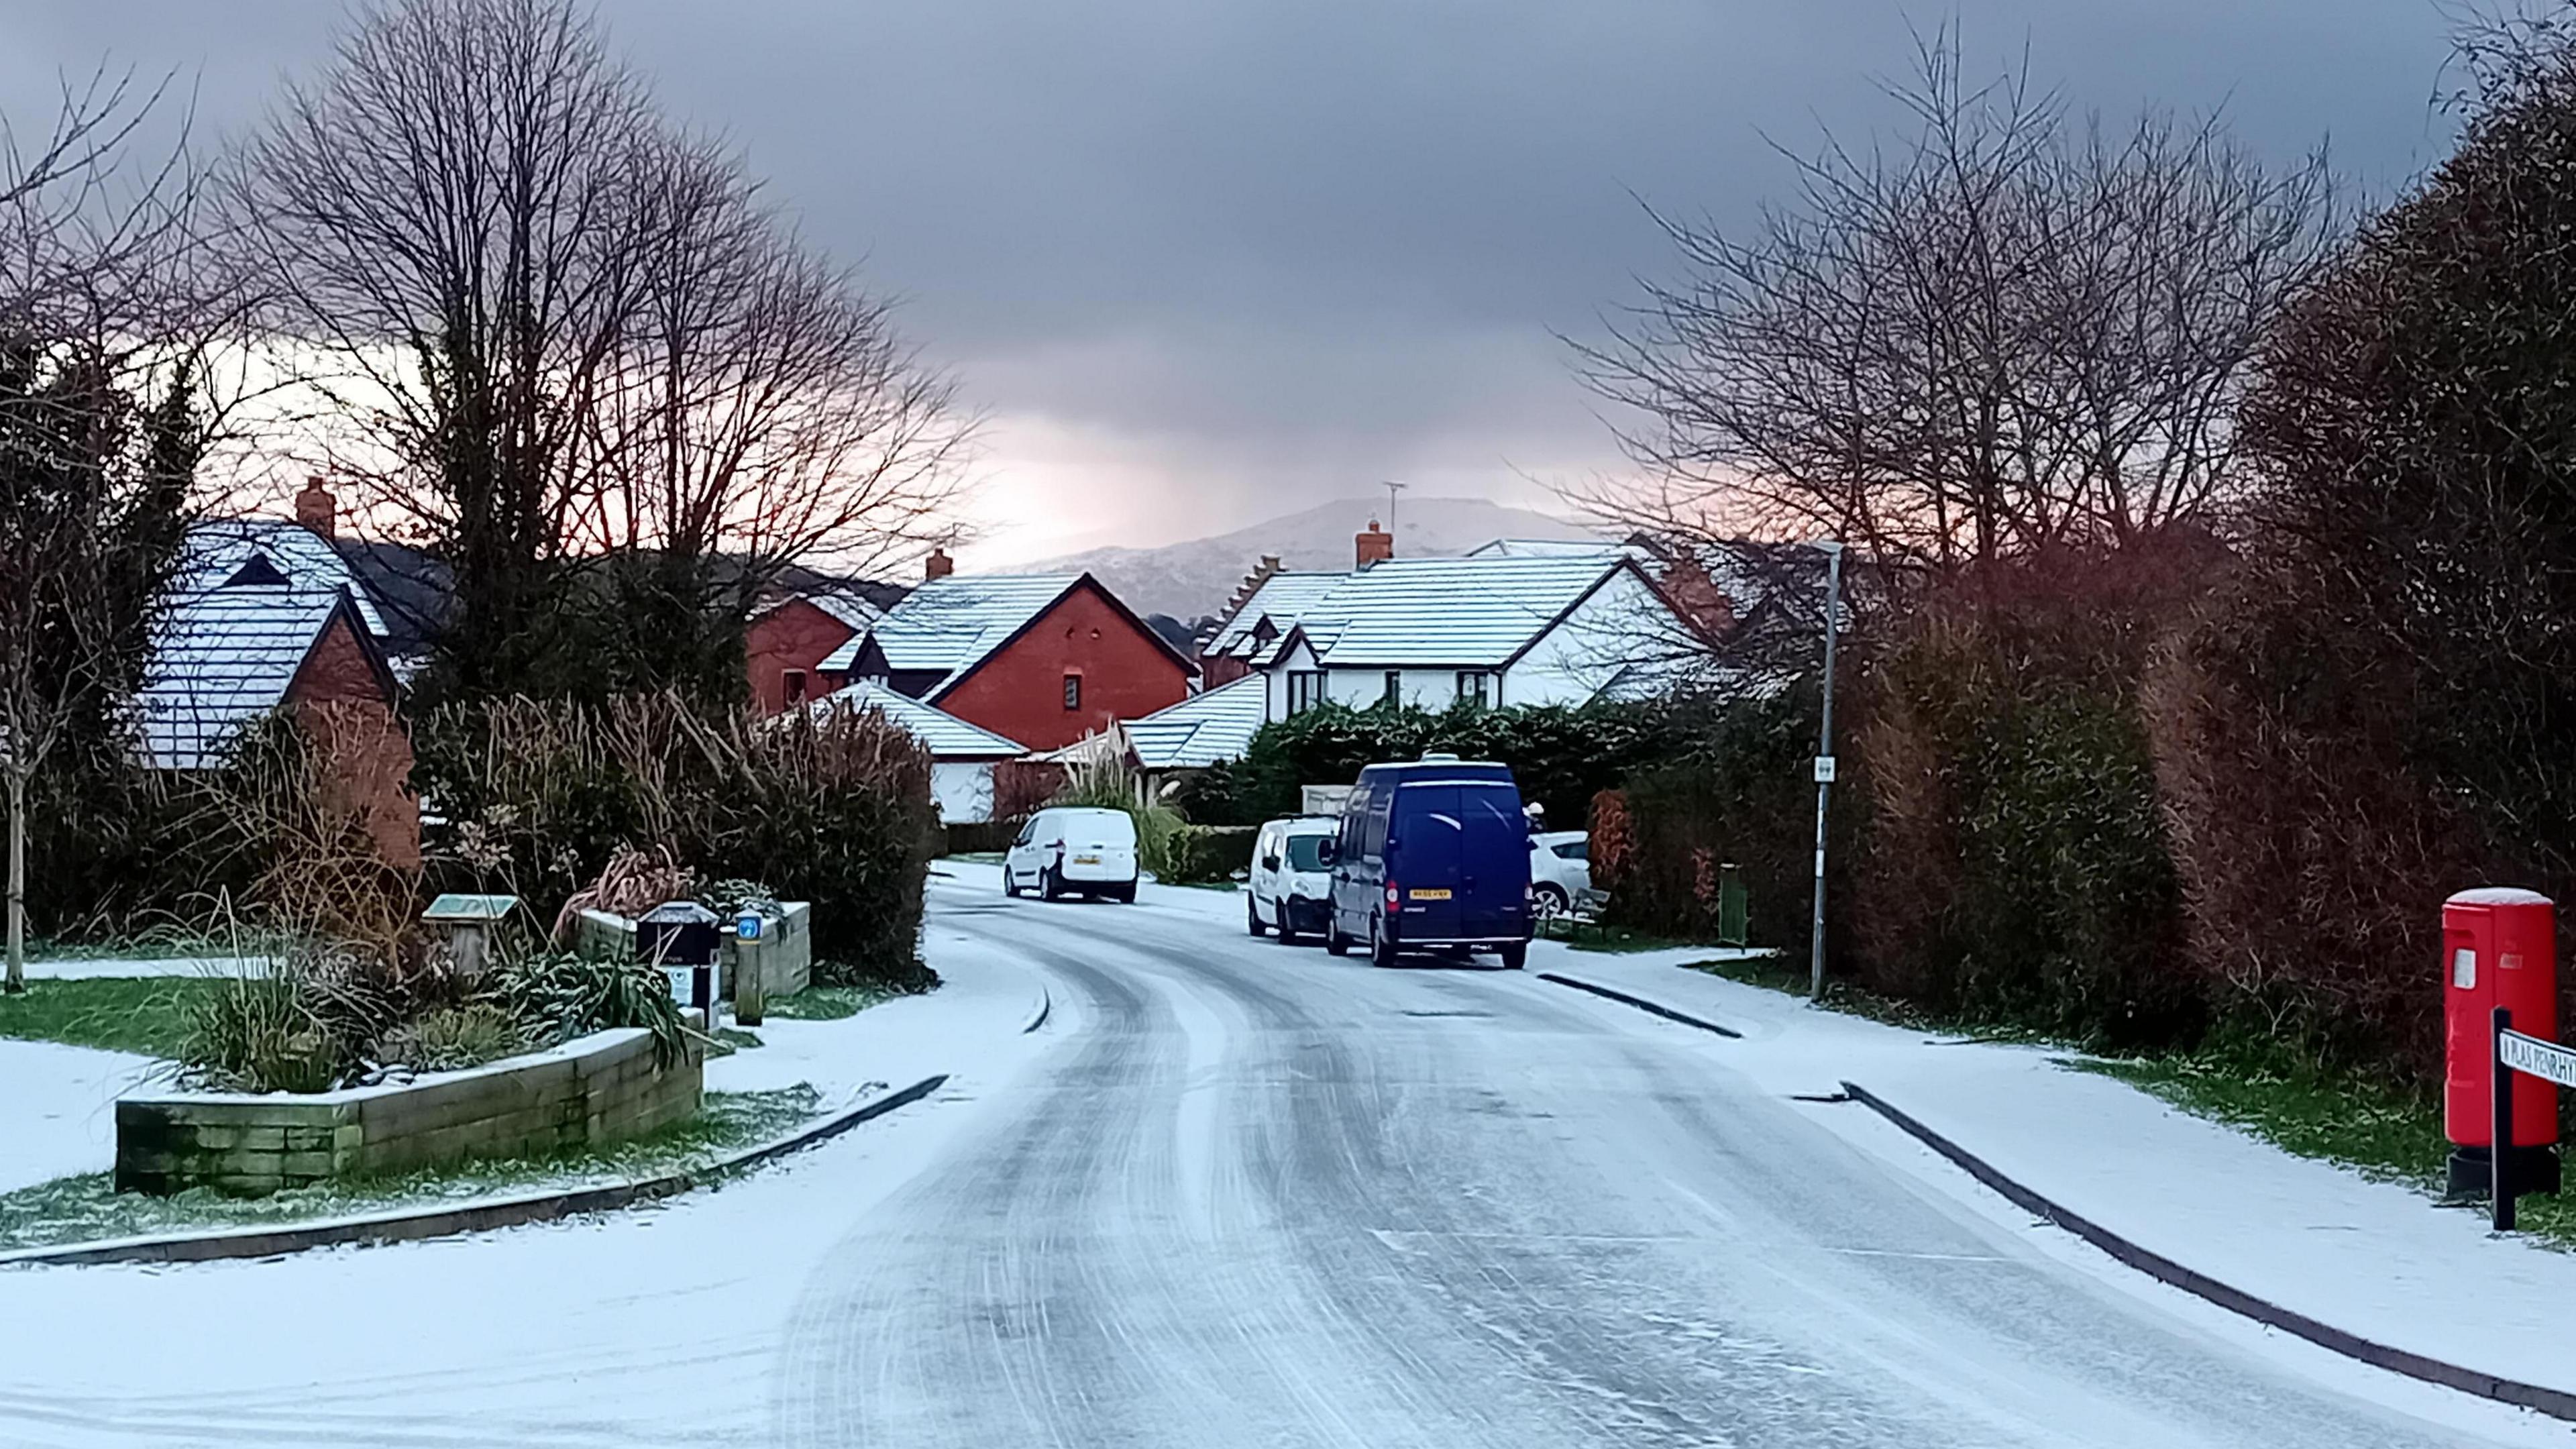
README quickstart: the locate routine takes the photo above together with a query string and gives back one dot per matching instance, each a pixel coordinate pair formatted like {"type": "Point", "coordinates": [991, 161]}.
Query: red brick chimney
{"type": "Point", "coordinates": [1375, 546]}
{"type": "Point", "coordinates": [938, 566]}
{"type": "Point", "coordinates": [316, 508]}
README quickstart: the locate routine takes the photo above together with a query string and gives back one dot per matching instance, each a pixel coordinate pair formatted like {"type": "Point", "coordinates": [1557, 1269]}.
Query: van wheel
{"type": "Point", "coordinates": [1381, 949]}
{"type": "Point", "coordinates": [1251, 917]}
{"type": "Point", "coordinates": [1124, 895]}
{"type": "Point", "coordinates": [1049, 886]}
{"type": "Point", "coordinates": [1335, 943]}
{"type": "Point", "coordinates": [1515, 956]}
{"type": "Point", "coordinates": [1008, 889]}
{"type": "Point", "coordinates": [1287, 931]}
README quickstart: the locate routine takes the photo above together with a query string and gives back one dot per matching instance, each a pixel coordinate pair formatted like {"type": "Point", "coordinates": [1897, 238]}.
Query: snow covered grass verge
{"type": "Point", "coordinates": [147, 1016]}
{"type": "Point", "coordinates": [829, 1003]}
{"type": "Point", "coordinates": [86, 1208]}
{"type": "Point", "coordinates": [2385, 1132]}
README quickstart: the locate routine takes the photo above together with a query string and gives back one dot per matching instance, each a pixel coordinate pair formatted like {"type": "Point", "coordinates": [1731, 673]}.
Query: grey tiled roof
{"type": "Point", "coordinates": [953, 624]}
{"type": "Point", "coordinates": [250, 599]}
{"type": "Point", "coordinates": [1204, 729]}
{"type": "Point", "coordinates": [944, 735]}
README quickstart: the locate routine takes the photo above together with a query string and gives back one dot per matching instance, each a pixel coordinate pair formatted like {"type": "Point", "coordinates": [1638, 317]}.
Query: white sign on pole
{"type": "Point", "coordinates": [1824, 769]}
{"type": "Point", "coordinates": [2546, 1060]}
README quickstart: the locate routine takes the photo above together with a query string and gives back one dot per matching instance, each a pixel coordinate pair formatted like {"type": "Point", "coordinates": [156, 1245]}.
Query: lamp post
{"type": "Point", "coordinates": [1824, 772]}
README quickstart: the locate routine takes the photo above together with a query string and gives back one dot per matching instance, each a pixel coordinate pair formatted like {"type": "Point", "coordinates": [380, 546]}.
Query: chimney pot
{"type": "Point", "coordinates": [317, 508]}
{"type": "Point", "coordinates": [938, 566]}
{"type": "Point", "coordinates": [1375, 546]}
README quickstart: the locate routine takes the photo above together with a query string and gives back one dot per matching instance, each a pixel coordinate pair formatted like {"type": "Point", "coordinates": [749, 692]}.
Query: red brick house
{"type": "Point", "coordinates": [789, 638]}
{"type": "Point", "coordinates": [1041, 659]}
{"type": "Point", "coordinates": [265, 616]}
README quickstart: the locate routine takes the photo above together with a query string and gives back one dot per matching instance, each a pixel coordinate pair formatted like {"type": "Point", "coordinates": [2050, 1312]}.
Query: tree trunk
{"type": "Point", "coordinates": [17, 882]}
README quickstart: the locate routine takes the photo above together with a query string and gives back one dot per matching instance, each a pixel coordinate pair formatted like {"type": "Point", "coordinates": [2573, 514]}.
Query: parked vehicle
{"type": "Point", "coordinates": [1073, 850]}
{"type": "Point", "coordinates": [1560, 871]}
{"type": "Point", "coordinates": [1291, 889]}
{"type": "Point", "coordinates": [1432, 855]}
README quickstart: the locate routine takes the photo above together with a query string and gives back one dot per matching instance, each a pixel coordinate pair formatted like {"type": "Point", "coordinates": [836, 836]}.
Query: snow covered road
{"type": "Point", "coordinates": [1234, 1194]}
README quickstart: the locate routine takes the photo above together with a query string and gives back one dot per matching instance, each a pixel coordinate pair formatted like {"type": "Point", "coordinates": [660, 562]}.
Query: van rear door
{"type": "Point", "coordinates": [1425, 860]}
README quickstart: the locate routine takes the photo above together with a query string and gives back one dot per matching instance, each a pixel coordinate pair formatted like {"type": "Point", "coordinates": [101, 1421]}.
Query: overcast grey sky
{"type": "Point", "coordinates": [1204, 261]}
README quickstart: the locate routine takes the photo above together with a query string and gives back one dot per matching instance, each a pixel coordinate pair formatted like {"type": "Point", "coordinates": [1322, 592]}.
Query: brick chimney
{"type": "Point", "coordinates": [938, 566]}
{"type": "Point", "coordinates": [316, 508]}
{"type": "Point", "coordinates": [1375, 546]}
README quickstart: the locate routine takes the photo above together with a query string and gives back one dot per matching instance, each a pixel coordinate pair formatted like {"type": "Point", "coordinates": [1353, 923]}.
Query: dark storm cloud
{"type": "Point", "coordinates": [1292, 245]}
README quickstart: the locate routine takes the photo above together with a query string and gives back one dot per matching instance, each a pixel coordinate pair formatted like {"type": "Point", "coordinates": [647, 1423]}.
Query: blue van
{"type": "Point", "coordinates": [1432, 855]}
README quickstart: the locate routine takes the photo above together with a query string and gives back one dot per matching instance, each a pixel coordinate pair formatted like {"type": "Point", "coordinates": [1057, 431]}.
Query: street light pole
{"type": "Point", "coordinates": [1824, 771]}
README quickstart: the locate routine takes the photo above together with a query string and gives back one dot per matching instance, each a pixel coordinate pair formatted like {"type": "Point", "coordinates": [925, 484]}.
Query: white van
{"type": "Point", "coordinates": [1073, 850]}
{"type": "Point", "coordinates": [1291, 888]}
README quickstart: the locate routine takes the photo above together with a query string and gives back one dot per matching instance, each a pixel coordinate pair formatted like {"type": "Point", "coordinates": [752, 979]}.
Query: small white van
{"type": "Point", "coordinates": [1291, 888]}
{"type": "Point", "coordinates": [1073, 850]}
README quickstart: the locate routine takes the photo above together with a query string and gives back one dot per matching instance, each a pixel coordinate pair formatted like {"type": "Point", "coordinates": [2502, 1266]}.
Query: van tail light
{"type": "Point", "coordinates": [1393, 894]}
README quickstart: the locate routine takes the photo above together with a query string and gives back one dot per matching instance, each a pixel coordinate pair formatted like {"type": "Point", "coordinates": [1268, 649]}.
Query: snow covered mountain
{"type": "Point", "coordinates": [1191, 579]}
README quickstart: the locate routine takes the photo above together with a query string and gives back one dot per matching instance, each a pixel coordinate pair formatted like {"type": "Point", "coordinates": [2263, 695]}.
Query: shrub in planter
{"type": "Point", "coordinates": [555, 996]}
{"type": "Point", "coordinates": [453, 1038]}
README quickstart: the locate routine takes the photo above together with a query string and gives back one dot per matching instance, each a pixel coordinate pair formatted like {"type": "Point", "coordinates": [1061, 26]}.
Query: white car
{"type": "Point", "coordinates": [1560, 870]}
{"type": "Point", "coordinates": [1291, 889]}
{"type": "Point", "coordinates": [1073, 850]}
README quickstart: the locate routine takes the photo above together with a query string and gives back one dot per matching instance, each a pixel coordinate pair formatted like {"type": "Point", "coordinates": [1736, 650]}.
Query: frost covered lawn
{"type": "Point", "coordinates": [828, 1003]}
{"type": "Point", "coordinates": [141, 1015]}
{"type": "Point", "coordinates": [86, 1208]}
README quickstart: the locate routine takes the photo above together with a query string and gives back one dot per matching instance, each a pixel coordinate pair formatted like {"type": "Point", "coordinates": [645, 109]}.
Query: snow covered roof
{"type": "Point", "coordinates": [1546, 548]}
{"type": "Point", "coordinates": [953, 624]}
{"type": "Point", "coordinates": [1204, 729]}
{"type": "Point", "coordinates": [1283, 599]}
{"type": "Point", "coordinates": [1470, 612]}
{"type": "Point", "coordinates": [849, 608]}
{"type": "Point", "coordinates": [250, 598]}
{"type": "Point", "coordinates": [944, 735]}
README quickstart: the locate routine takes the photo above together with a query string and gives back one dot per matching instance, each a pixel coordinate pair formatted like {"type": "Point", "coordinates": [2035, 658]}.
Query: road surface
{"type": "Point", "coordinates": [1236, 1195]}
{"type": "Point", "coordinates": [1265, 1197]}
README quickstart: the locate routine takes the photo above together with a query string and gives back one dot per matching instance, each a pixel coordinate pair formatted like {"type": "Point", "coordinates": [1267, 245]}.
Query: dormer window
{"type": "Point", "coordinates": [257, 572]}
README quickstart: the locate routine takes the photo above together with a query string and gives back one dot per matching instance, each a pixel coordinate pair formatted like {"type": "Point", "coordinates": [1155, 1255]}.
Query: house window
{"type": "Point", "coordinates": [1305, 689]}
{"type": "Point", "coordinates": [794, 680]}
{"type": "Point", "coordinates": [1073, 691]}
{"type": "Point", "coordinates": [1394, 688]}
{"type": "Point", "coordinates": [1475, 685]}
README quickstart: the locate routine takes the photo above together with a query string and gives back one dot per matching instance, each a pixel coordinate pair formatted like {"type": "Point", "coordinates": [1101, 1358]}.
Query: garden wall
{"type": "Point", "coordinates": [605, 1087]}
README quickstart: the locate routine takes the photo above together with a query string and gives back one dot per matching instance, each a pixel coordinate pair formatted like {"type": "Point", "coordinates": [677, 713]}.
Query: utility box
{"type": "Point", "coordinates": [2499, 948]}
{"type": "Point", "coordinates": [685, 940]}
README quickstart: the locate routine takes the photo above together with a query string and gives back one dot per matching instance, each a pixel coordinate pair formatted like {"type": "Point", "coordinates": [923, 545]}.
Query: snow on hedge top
{"type": "Point", "coordinates": [250, 598]}
{"type": "Point", "coordinates": [944, 735]}
{"type": "Point", "coordinates": [953, 624]}
{"type": "Point", "coordinates": [1204, 729]}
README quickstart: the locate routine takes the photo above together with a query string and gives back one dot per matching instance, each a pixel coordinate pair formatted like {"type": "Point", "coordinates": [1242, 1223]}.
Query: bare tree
{"type": "Point", "coordinates": [104, 327]}
{"type": "Point", "coordinates": [563, 328]}
{"type": "Point", "coordinates": [2013, 331]}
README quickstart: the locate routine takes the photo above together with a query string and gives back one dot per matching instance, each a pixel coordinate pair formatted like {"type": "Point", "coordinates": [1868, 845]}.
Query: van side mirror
{"type": "Point", "coordinates": [1269, 862]}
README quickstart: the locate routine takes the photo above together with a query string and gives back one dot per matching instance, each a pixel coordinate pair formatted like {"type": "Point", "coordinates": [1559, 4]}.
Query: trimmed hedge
{"type": "Point", "coordinates": [1203, 854]}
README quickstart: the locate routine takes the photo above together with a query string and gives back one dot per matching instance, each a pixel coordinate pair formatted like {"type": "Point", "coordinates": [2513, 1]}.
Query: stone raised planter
{"type": "Point", "coordinates": [784, 954]}
{"type": "Point", "coordinates": [601, 1088]}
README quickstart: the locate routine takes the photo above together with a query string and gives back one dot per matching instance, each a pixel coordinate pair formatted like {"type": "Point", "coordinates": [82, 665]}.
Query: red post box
{"type": "Point", "coordinates": [2499, 948]}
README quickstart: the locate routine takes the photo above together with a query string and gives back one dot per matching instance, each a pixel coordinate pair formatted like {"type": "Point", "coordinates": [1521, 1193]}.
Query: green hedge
{"type": "Point", "coordinates": [1203, 854]}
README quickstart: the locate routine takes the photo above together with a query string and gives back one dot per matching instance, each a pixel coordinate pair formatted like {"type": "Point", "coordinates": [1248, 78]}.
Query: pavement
{"type": "Point", "coordinates": [1239, 1193]}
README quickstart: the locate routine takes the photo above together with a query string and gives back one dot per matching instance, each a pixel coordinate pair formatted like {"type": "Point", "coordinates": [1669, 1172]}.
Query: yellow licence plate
{"type": "Point", "coordinates": [1086, 860]}
{"type": "Point", "coordinates": [1430, 895]}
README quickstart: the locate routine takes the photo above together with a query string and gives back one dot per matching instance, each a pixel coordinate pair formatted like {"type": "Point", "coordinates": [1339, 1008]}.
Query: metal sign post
{"type": "Point", "coordinates": [2529, 1055]}
{"type": "Point", "coordinates": [1824, 774]}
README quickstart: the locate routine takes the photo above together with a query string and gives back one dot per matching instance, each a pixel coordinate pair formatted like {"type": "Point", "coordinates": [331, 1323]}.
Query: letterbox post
{"type": "Point", "coordinates": [2501, 1153]}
